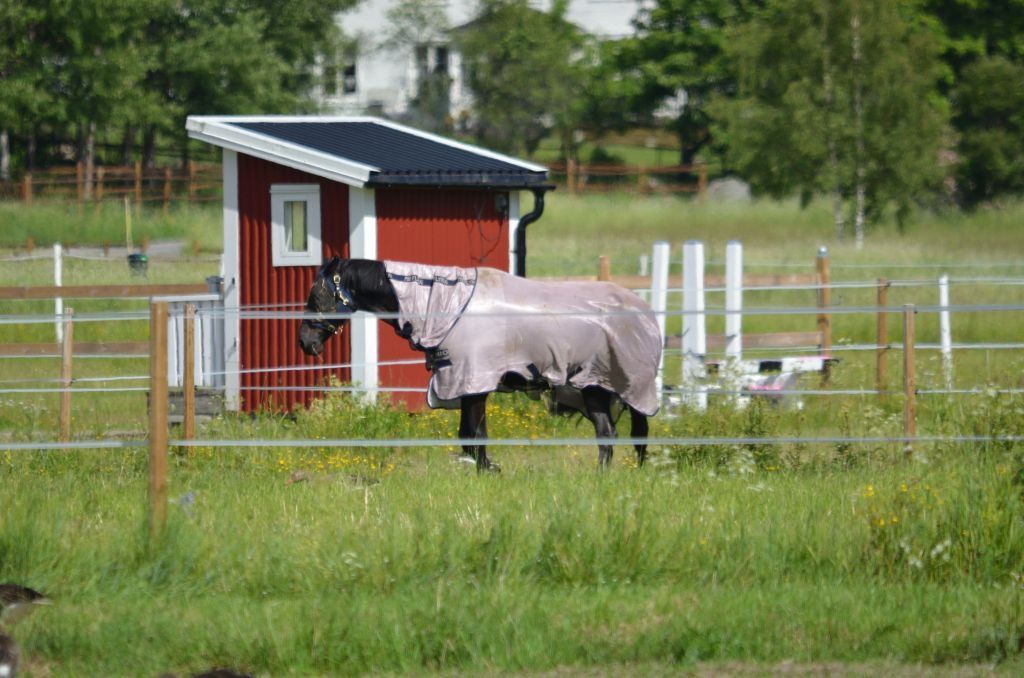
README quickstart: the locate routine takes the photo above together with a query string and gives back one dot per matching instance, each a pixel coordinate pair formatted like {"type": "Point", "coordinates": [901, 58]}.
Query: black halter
{"type": "Point", "coordinates": [342, 296]}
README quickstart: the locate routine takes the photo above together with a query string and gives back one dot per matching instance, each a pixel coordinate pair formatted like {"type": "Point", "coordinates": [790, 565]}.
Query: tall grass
{"type": "Point", "coordinates": [576, 229]}
{"type": "Point", "coordinates": [316, 561]}
{"type": "Point", "coordinates": [47, 223]}
{"type": "Point", "coordinates": [409, 562]}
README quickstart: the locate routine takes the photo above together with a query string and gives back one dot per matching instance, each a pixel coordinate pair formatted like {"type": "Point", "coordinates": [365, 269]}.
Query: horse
{"type": "Point", "coordinates": [593, 345]}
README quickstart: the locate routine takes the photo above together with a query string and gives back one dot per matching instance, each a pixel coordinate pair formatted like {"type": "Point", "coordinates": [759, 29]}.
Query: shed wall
{"type": "Point", "coordinates": [438, 226]}
{"type": "Point", "coordinates": [271, 344]}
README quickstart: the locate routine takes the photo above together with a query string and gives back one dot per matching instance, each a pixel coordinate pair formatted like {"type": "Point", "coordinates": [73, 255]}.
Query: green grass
{"type": "Point", "coordinates": [400, 561]}
{"type": "Point", "coordinates": [721, 558]}
{"type": "Point", "coordinates": [52, 222]}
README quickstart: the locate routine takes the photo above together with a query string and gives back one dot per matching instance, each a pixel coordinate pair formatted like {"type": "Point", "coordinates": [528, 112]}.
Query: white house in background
{"type": "Point", "coordinates": [383, 80]}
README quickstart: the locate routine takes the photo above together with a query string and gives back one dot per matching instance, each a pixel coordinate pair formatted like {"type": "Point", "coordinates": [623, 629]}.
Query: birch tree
{"type": "Point", "coordinates": [836, 97]}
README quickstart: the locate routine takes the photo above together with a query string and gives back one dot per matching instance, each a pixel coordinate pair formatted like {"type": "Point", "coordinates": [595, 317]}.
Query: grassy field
{"type": "Point", "coordinates": [838, 559]}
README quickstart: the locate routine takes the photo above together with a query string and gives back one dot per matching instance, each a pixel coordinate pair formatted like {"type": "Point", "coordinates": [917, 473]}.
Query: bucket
{"type": "Point", "coordinates": [138, 263]}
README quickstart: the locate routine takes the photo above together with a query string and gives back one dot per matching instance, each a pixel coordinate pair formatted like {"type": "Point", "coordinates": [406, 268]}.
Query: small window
{"type": "Point", "coordinates": [441, 60]}
{"type": "Point", "coordinates": [348, 79]}
{"type": "Point", "coordinates": [295, 224]}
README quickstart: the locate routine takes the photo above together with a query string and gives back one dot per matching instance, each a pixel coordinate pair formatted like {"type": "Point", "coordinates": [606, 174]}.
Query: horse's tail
{"type": "Point", "coordinates": [639, 430]}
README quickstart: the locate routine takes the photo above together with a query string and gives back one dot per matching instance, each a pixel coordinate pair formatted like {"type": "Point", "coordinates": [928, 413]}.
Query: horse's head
{"type": "Point", "coordinates": [331, 302]}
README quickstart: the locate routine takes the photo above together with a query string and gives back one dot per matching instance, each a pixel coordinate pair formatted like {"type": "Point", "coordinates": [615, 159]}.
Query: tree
{"type": "Point", "coordinates": [989, 112]}
{"type": "Point", "coordinates": [678, 54]}
{"type": "Point", "coordinates": [984, 50]}
{"type": "Point", "coordinates": [849, 105]}
{"type": "Point", "coordinates": [524, 69]}
{"type": "Point", "coordinates": [92, 70]}
{"type": "Point", "coordinates": [23, 98]}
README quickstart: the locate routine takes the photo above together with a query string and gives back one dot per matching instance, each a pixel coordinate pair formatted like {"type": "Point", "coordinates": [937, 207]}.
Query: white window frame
{"type": "Point", "coordinates": [281, 255]}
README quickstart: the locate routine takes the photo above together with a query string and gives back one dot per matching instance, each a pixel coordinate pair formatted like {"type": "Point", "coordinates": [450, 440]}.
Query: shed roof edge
{"type": "Point", "coordinates": [219, 132]}
{"type": "Point", "coordinates": [226, 121]}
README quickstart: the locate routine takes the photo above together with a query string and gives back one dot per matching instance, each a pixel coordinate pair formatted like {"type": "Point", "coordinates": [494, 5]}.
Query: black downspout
{"type": "Point", "coordinates": [524, 221]}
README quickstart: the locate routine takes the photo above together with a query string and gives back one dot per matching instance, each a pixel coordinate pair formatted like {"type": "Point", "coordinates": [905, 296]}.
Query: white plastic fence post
{"type": "Point", "coordinates": [644, 268]}
{"type": "Point", "coordinates": [58, 281]}
{"type": "Point", "coordinates": [734, 312]}
{"type": "Point", "coordinates": [694, 325]}
{"type": "Point", "coordinates": [659, 300]}
{"type": "Point", "coordinates": [945, 333]}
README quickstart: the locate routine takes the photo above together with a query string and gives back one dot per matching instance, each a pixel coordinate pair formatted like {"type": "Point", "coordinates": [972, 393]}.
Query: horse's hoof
{"type": "Point", "coordinates": [464, 459]}
{"type": "Point", "coordinates": [490, 468]}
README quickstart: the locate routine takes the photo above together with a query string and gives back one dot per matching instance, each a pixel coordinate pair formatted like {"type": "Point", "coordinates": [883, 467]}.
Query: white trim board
{"type": "Point", "coordinates": [363, 330]}
{"type": "Point", "coordinates": [232, 296]}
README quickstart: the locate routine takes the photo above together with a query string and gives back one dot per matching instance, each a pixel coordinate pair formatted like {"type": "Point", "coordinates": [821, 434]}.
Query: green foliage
{"type": "Point", "coordinates": [67, 66]}
{"type": "Point", "coordinates": [679, 47]}
{"type": "Point", "coordinates": [989, 112]}
{"type": "Point", "coordinates": [848, 107]}
{"type": "Point", "coordinates": [525, 69]}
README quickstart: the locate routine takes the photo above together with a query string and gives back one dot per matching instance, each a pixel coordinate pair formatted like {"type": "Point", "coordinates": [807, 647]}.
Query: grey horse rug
{"type": "Point", "coordinates": [477, 324]}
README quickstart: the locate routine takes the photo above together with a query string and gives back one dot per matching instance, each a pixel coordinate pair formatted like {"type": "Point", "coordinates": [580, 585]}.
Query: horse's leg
{"type": "Point", "coordinates": [639, 430]}
{"type": "Point", "coordinates": [599, 404]}
{"type": "Point", "coordinates": [473, 424]}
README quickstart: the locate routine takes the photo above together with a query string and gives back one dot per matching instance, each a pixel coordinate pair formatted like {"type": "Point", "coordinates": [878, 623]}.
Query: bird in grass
{"type": "Point", "coordinates": [16, 601]}
{"type": "Point", "coordinates": [8, 656]}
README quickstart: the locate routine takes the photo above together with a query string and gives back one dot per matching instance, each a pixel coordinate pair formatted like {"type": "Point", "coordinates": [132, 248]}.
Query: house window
{"type": "Point", "coordinates": [348, 79]}
{"type": "Point", "coordinates": [295, 225]}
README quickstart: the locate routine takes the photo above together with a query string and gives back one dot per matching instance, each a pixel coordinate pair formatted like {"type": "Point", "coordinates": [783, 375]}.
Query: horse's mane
{"type": "Point", "coordinates": [368, 282]}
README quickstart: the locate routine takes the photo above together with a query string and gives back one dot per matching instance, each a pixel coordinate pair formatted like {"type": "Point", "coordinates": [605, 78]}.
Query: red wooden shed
{"type": "Point", "coordinates": [299, 190]}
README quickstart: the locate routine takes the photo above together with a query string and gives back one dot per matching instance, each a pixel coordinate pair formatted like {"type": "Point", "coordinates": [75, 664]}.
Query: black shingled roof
{"type": "Point", "coordinates": [402, 158]}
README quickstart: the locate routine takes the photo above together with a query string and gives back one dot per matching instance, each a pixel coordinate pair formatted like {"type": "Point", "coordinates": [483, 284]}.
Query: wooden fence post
{"type": "Point", "coordinates": [702, 180]}
{"type": "Point", "coordinates": [67, 345]}
{"type": "Point", "coordinates": [80, 183]}
{"type": "Point", "coordinates": [604, 267]}
{"type": "Point", "coordinates": [26, 188]}
{"type": "Point", "coordinates": [100, 171]}
{"type": "Point", "coordinates": [167, 189]}
{"type": "Point", "coordinates": [909, 382]}
{"type": "Point", "coordinates": [570, 175]}
{"type": "Point", "coordinates": [824, 300]}
{"type": "Point", "coordinates": [138, 186]}
{"type": "Point", "coordinates": [191, 182]}
{"type": "Point", "coordinates": [882, 339]}
{"type": "Point", "coordinates": [188, 385]}
{"type": "Point", "coordinates": [157, 417]}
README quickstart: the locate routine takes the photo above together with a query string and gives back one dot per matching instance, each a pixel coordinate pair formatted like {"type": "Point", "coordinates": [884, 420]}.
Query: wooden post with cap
{"type": "Point", "coordinates": [909, 381]}
{"type": "Point", "coordinates": [882, 339]}
{"type": "Point", "coordinates": [157, 417]}
{"type": "Point", "coordinates": [67, 346]}
{"type": "Point", "coordinates": [188, 384]}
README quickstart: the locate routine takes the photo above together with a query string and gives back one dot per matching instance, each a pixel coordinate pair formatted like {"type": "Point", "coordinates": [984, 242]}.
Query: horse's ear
{"type": "Point", "coordinates": [329, 265]}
